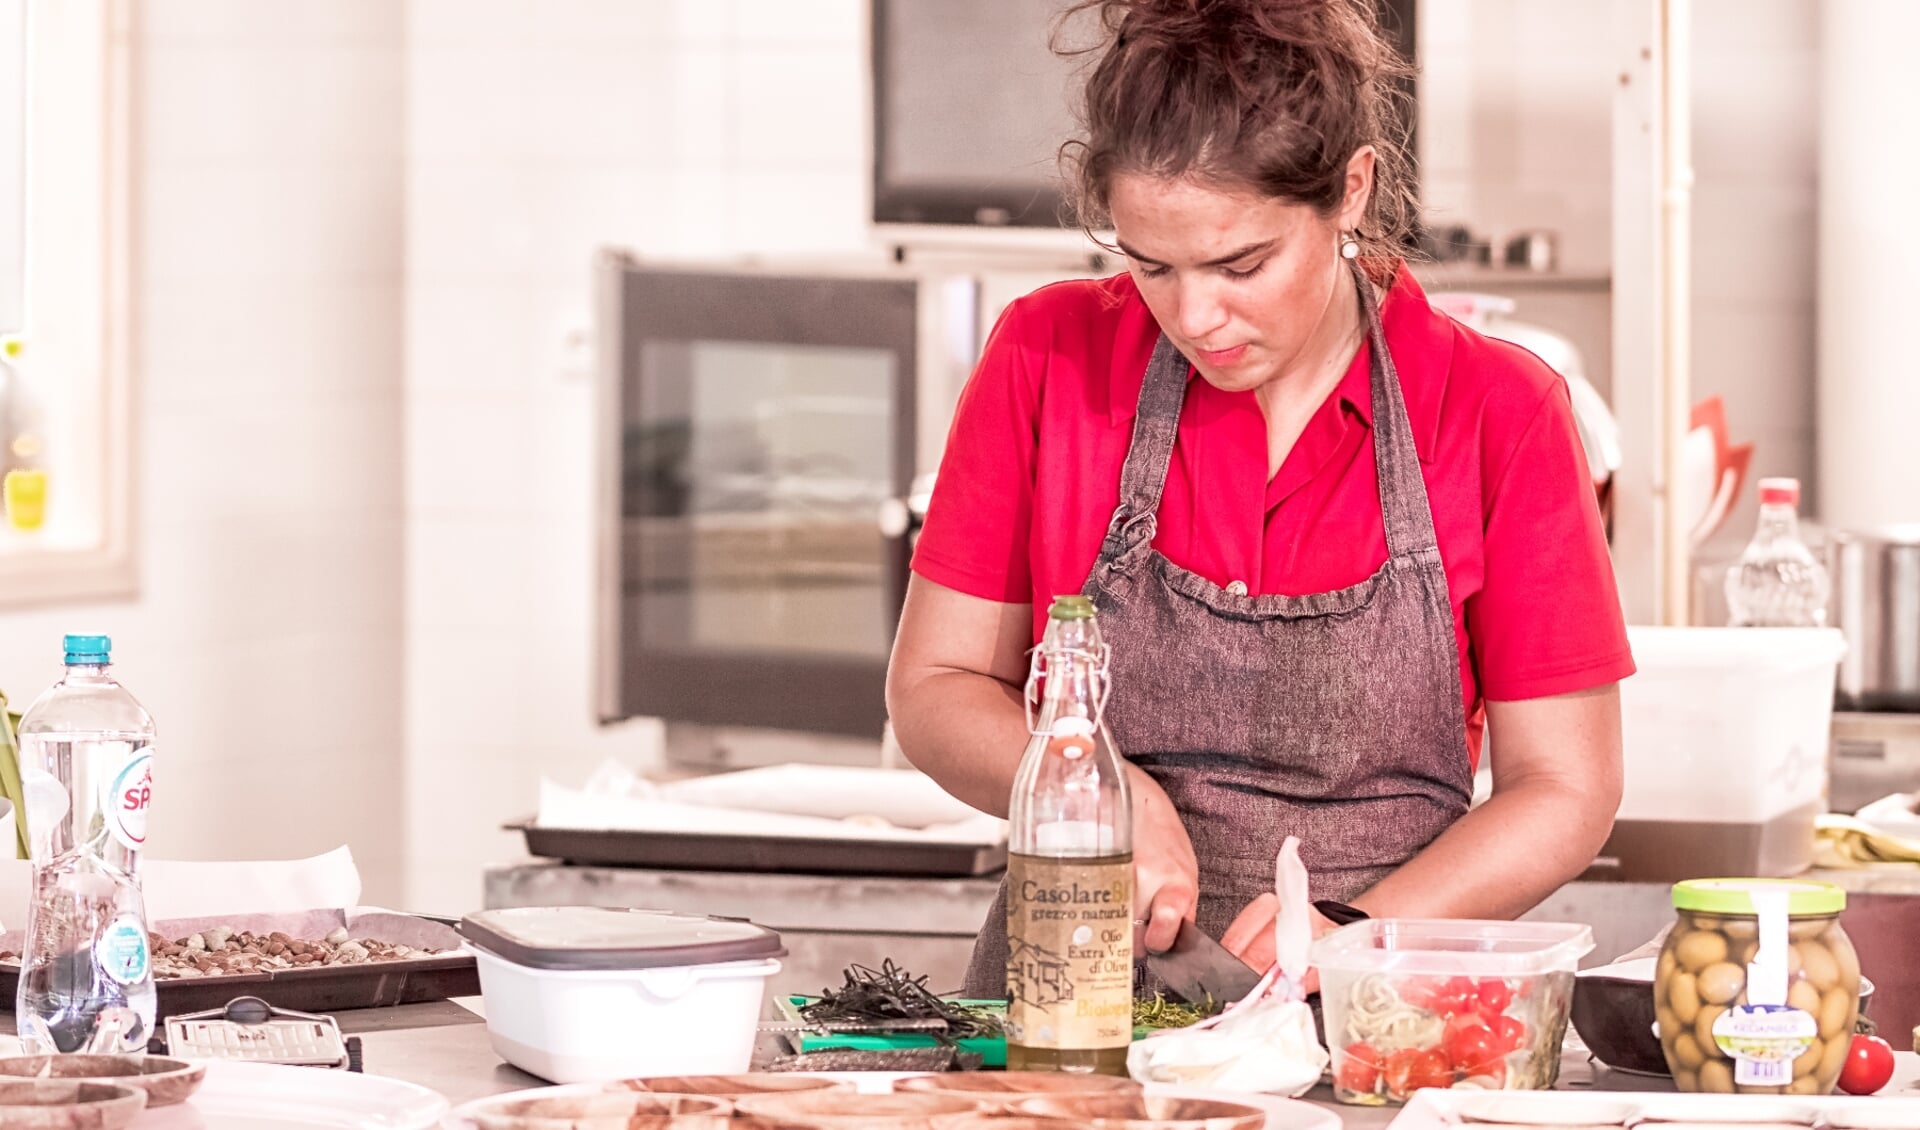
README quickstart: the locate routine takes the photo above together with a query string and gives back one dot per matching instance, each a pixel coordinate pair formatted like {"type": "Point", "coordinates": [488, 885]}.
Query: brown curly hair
{"type": "Point", "coordinates": [1273, 95]}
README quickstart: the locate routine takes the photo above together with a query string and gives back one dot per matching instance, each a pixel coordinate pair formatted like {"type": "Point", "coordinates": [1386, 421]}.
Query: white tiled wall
{"type": "Point", "coordinates": [266, 639]}
{"type": "Point", "coordinates": [536, 132]}
{"type": "Point", "coordinates": [1516, 133]}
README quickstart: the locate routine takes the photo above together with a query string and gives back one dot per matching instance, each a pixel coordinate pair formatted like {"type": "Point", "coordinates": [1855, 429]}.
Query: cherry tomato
{"type": "Point", "coordinates": [1869, 1065]}
{"type": "Point", "coordinates": [1494, 996]}
{"type": "Point", "coordinates": [1429, 1070]}
{"type": "Point", "coordinates": [1469, 1044]}
{"type": "Point", "coordinates": [1359, 1069]}
{"type": "Point", "coordinates": [1409, 1071]}
{"type": "Point", "coordinates": [1509, 1034]}
{"type": "Point", "coordinates": [1457, 995]}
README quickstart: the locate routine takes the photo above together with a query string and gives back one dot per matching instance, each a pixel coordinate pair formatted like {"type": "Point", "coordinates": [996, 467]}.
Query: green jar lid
{"type": "Point", "coordinates": [1075, 607]}
{"type": "Point", "coordinates": [1735, 896]}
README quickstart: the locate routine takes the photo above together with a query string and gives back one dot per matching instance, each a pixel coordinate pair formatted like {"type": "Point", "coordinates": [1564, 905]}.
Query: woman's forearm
{"type": "Point", "coordinates": [967, 731]}
{"type": "Point", "coordinates": [1501, 859]}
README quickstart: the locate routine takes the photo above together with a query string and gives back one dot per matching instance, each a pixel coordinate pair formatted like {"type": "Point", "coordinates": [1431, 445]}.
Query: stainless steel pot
{"type": "Point", "coordinates": [1876, 602]}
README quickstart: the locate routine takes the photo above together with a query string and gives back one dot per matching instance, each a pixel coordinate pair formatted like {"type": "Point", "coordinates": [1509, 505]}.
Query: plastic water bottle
{"type": "Point", "coordinates": [1777, 583]}
{"type": "Point", "coordinates": [86, 768]}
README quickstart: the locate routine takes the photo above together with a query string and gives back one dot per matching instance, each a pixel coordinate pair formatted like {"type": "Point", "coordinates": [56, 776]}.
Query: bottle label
{"type": "Point", "coordinates": [1070, 952]}
{"type": "Point", "coordinates": [1764, 1040]}
{"type": "Point", "coordinates": [122, 950]}
{"type": "Point", "coordinates": [129, 794]}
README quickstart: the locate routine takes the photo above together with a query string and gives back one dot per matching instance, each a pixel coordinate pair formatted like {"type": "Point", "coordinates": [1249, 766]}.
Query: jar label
{"type": "Point", "coordinates": [1070, 952]}
{"type": "Point", "coordinates": [1764, 1040]}
{"type": "Point", "coordinates": [122, 950]}
{"type": "Point", "coordinates": [129, 794]}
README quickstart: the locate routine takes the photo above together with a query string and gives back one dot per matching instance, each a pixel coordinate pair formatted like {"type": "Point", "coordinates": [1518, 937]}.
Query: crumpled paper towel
{"type": "Point", "coordinates": [1266, 1042]}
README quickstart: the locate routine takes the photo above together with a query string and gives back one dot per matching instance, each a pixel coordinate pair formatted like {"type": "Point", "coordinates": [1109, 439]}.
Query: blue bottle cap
{"type": "Point", "coordinates": [93, 650]}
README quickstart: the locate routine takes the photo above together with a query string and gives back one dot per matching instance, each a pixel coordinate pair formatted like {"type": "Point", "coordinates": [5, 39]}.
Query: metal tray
{"type": "Point", "coordinates": [687, 851]}
{"type": "Point", "coordinates": [324, 988]}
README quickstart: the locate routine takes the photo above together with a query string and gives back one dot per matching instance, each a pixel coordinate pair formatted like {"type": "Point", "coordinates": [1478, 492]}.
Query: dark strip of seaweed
{"type": "Point", "coordinates": [891, 993]}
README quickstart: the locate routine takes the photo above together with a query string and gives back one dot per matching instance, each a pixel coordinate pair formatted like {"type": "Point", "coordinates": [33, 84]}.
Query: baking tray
{"type": "Point", "coordinates": [327, 988]}
{"type": "Point", "coordinates": [693, 851]}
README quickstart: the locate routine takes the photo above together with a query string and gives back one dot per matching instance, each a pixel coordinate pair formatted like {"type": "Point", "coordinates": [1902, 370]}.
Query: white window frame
{"type": "Point", "coordinates": [78, 309]}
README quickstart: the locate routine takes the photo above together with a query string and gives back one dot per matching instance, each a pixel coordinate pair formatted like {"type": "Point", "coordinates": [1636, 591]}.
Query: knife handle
{"type": "Point", "coordinates": [1339, 913]}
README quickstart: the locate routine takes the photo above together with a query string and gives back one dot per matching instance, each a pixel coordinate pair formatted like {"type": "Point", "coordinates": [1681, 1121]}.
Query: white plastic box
{"type": "Point", "coordinates": [594, 994]}
{"type": "Point", "coordinates": [1726, 733]}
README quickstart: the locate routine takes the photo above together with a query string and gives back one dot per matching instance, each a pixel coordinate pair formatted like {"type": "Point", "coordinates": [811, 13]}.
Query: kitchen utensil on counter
{"type": "Point", "coordinates": [1726, 732]}
{"type": "Point", "coordinates": [584, 994]}
{"type": "Point", "coordinates": [1199, 970]}
{"type": "Point", "coordinates": [1875, 602]}
{"type": "Point", "coordinates": [251, 1029]}
{"type": "Point", "coordinates": [1534, 250]}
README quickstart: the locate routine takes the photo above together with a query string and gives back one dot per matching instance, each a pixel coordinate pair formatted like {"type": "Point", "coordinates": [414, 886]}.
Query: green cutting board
{"type": "Point", "coordinates": [991, 1049]}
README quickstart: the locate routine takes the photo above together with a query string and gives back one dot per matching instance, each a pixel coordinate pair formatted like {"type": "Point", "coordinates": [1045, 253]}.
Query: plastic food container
{"type": "Point", "coordinates": [1733, 1020]}
{"type": "Point", "coordinates": [581, 994]}
{"type": "Point", "coordinates": [1412, 1003]}
{"type": "Point", "coordinates": [1726, 733]}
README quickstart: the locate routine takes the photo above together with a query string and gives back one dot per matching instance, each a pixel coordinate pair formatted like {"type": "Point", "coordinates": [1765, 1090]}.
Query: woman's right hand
{"type": "Point", "coordinates": [1166, 879]}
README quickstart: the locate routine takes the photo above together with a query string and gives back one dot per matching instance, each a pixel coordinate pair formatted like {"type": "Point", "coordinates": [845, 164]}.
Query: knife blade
{"type": "Point", "coordinates": [1198, 969]}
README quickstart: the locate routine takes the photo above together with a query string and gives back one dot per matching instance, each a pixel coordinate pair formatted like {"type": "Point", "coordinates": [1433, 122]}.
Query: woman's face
{"type": "Point", "coordinates": [1244, 284]}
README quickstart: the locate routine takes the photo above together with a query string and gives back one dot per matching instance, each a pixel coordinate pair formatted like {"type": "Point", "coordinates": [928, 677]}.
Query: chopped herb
{"type": "Point", "coordinates": [1163, 1013]}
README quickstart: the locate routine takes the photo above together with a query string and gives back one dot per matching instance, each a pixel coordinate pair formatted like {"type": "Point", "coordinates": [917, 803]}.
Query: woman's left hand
{"type": "Point", "coordinates": [1250, 937]}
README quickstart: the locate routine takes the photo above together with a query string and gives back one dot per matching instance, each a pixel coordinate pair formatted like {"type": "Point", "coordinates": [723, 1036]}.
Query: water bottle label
{"type": "Point", "coordinates": [122, 950]}
{"type": "Point", "coordinates": [129, 793]}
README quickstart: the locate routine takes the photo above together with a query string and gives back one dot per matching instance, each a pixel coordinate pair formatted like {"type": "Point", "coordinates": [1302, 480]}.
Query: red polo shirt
{"type": "Point", "coordinates": [1031, 477]}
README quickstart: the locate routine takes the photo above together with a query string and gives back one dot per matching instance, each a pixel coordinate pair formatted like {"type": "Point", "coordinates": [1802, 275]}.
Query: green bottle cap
{"type": "Point", "coordinates": [1075, 607]}
{"type": "Point", "coordinates": [1735, 896]}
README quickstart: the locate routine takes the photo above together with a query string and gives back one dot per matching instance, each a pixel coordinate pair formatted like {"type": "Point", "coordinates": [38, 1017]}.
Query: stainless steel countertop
{"type": "Point", "coordinates": [444, 1047]}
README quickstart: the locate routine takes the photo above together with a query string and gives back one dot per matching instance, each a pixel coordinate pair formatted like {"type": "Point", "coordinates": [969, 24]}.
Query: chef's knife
{"type": "Point", "coordinates": [1198, 969]}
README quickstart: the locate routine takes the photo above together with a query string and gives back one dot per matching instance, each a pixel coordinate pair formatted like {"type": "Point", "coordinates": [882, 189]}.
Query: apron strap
{"type": "Point", "coordinates": [1155, 424]}
{"type": "Point", "coordinates": [1403, 492]}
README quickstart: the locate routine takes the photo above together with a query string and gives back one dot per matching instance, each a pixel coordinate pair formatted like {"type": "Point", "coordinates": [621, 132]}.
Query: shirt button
{"type": "Point", "coordinates": [1237, 588]}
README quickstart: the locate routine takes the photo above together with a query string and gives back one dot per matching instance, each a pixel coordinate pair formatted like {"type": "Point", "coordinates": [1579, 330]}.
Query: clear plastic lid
{"type": "Point", "coordinates": [609, 938]}
{"type": "Point", "coordinates": [1465, 945]}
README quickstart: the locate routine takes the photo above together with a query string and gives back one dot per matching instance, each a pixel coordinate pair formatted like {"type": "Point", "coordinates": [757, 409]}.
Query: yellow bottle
{"type": "Point", "coordinates": [25, 485]}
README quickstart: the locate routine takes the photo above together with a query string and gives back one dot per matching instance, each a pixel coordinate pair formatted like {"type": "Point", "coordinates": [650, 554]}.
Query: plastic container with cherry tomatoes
{"type": "Point", "coordinates": [1414, 1003]}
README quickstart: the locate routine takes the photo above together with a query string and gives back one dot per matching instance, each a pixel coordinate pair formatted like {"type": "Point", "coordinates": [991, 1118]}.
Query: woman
{"type": "Point", "coordinates": [1330, 532]}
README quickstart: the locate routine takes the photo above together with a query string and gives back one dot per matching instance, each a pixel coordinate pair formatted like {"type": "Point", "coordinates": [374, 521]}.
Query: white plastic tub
{"type": "Point", "coordinates": [590, 995]}
{"type": "Point", "coordinates": [1727, 725]}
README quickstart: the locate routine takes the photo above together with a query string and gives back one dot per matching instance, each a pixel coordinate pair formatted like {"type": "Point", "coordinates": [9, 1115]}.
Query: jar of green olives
{"type": "Point", "coordinates": [1757, 987]}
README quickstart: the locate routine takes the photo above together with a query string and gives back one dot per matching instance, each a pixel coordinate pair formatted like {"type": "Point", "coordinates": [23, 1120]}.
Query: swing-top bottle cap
{"type": "Point", "coordinates": [1075, 607]}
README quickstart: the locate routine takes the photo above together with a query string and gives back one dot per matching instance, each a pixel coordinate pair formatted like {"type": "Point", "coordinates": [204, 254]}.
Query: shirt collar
{"type": "Point", "coordinates": [1420, 336]}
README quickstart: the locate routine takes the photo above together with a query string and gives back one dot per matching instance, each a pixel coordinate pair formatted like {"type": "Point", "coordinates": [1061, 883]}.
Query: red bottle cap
{"type": "Point", "coordinates": [1779, 492]}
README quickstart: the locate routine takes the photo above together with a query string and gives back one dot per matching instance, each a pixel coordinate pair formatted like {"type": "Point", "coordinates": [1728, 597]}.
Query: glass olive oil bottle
{"type": "Point", "coordinates": [1070, 865]}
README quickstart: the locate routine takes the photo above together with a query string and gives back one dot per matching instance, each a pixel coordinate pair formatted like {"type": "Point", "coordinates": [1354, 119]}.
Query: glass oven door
{"type": "Point", "coordinates": [764, 424]}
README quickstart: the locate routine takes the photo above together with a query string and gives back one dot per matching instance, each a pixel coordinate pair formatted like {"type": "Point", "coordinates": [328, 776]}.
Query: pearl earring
{"type": "Point", "coordinates": [1349, 246]}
